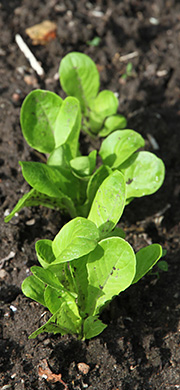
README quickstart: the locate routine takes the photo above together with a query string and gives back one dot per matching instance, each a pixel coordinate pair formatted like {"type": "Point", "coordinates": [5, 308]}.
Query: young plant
{"type": "Point", "coordinates": [79, 77]}
{"type": "Point", "coordinates": [70, 181]}
{"type": "Point", "coordinates": [51, 125]}
{"type": "Point", "coordinates": [86, 265]}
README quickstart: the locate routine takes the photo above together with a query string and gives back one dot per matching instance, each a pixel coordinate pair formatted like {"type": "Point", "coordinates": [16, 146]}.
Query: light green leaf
{"type": "Point", "coordinates": [146, 258]}
{"type": "Point", "coordinates": [54, 182]}
{"type": "Point", "coordinates": [109, 202]}
{"type": "Point", "coordinates": [119, 146]}
{"type": "Point", "coordinates": [36, 198]}
{"type": "Point", "coordinates": [105, 104]}
{"type": "Point", "coordinates": [47, 277]}
{"type": "Point", "coordinates": [54, 299]}
{"type": "Point", "coordinates": [94, 42]}
{"type": "Point", "coordinates": [114, 122]}
{"type": "Point", "coordinates": [111, 269]}
{"type": "Point", "coordinates": [77, 238]}
{"type": "Point", "coordinates": [96, 180]}
{"type": "Point", "coordinates": [33, 288]}
{"type": "Point", "coordinates": [79, 77]}
{"type": "Point", "coordinates": [67, 127]}
{"type": "Point", "coordinates": [117, 232]}
{"type": "Point", "coordinates": [60, 156]}
{"type": "Point", "coordinates": [38, 117]}
{"type": "Point", "coordinates": [65, 321]}
{"type": "Point", "coordinates": [92, 327]}
{"type": "Point", "coordinates": [84, 165]}
{"type": "Point", "coordinates": [144, 174]}
{"type": "Point", "coordinates": [44, 252]}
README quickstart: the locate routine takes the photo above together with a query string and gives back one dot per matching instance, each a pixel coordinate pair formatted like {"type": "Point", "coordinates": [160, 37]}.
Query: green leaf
{"type": "Point", "coordinates": [65, 321]}
{"type": "Point", "coordinates": [96, 180]}
{"type": "Point", "coordinates": [52, 299]}
{"type": "Point", "coordinates": [163, 265]}
{"type": "Point", "coordinates": [36, 198]}
{"type": "Point", "coordinates": [111, 269]}
{"type": "Point", "coordinates": [114, 122]}
{"type": "Point", "coordinates": [67, 127]}
{"type": "Point", "coordinates": [92, 327]}
{"type": "Point", "coordinates": [79, 77]}
{"type": "Point", "coordinates": [38, 118]}
{"type": "Point", "coordinates": [119, 146]}
{"type": "Point", "coordinates": [144, 174]}
{"type": "Point", "coordinates": [54, 182]}
{"type": "Point", "coordinates": [44, 252]}
{"type": "Point", "coordinates": [77, 238]}
{"type": "Point", "coordinates": [109, 202]}
{"type": "Point", "coordinates": [60, 157]}
{"type": "Point", "coordinates": [117, 232]}
{"type": "Point", "coordinates": [46, 276]}
{"type": "Point", "coordinates": [84, 165]}
{"type": "Point", "coordinates": [33, 288]}
{"type": "Point", "coordinates": [94, 42]}
{"type": "Point", "coordinates": [105, 104]}
{"type": "Point", "coordinates": [49, 326]}
{"type": "Point", "coordinates": [146, 258]}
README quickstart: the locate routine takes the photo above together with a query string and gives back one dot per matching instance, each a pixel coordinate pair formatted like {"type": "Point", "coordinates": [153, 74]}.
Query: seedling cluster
{"type": "Point", "coordinates": [89, 262]}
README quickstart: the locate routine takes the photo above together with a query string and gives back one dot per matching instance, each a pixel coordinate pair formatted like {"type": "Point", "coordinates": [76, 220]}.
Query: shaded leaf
{"type": "Point", "coordinates": [146, 258]}
{"type": "Point", "coordinates": [33, 288]}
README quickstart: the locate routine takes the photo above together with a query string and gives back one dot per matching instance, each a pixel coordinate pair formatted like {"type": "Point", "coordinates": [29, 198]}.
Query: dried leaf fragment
{"type": "Point", "coordinates": [42, 33]}
{"type": "Point", "coordinates": [45, 373]}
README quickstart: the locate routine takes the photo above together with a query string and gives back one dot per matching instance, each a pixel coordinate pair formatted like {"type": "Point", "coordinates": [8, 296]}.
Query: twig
{"type": "Point", "coordinates": [129, 56]}
{"type": "Point", "coordinates": [29, 55]}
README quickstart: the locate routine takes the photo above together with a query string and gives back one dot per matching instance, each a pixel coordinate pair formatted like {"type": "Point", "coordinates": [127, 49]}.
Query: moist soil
{"type": "Point", "coordinates": [140, 347]}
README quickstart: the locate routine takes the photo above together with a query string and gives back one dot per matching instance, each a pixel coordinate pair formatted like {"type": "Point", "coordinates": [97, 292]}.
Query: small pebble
{"type": "Point", "coordinates": [3, 274]}
{"type": "Point", "coordinates": [31, 80]}
{"type": "Point", "coordinates": [30, 222]}
{"type": "Point", "coordinates": [13, 308]}
{"type": "Point", "coordinates": [83, 367]}
{"type": "Point", "coordinates": [15, 97]}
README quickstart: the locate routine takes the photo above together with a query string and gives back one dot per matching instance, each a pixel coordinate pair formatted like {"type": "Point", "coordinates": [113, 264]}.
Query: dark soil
{"type": "Point", "coordinates": [140, 348]}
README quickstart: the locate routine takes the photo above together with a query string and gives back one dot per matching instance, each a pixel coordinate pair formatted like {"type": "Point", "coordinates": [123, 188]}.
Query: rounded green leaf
{"type": "Point", "coordinates": [146, 258]}
{"type": "Point", "coordinates": [144, 174]}
{"type": "Point", "coordinates": [79, 77]}
{"type": "Point", "coordinates": [111, 269]}
{"type": "Point", "coordinates": [109, 202]}
{"type": "Point", "coordinates": [114, 122]}
{"type": "Point", "coordinates": [119, 146]}
{"type": "Point", "coordinates": [77, 238]}
{"type": "Point", "coordinates": [84, 165]}
{"type": "Point", "coordinates": [105, 104]}
{"type": "Point", "coordinates": [38, 117]}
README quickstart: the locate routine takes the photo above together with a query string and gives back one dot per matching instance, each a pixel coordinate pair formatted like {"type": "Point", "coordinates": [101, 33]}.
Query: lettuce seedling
{"type": "Point", "coordinates": [69, 181]}
{"type": "Point", "coordinates": [86, 265]}
{"type": "Point", "coordinates": [51, 125]}
{"type": "Point", "coordinates": [79, 77]}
